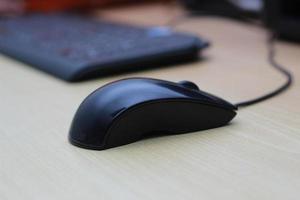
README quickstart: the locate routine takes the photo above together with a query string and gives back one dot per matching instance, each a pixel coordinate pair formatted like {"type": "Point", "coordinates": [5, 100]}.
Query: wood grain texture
{"type": "Point", "coordinates": [255, 157]}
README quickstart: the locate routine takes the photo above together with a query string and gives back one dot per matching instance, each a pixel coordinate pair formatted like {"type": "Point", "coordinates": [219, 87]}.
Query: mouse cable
{"type": "Point", "coordinates": [278, 67]}
{"type": "Point", "coordinates": [271, 59]}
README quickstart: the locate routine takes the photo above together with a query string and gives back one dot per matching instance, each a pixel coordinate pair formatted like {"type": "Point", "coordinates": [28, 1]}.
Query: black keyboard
{"type": "Point", "coordinates": [75, 48]}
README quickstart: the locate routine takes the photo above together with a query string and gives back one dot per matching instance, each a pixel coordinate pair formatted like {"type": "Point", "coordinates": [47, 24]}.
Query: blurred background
{"type": "Point", "coordinates": [282, 16]}
{"type": "Point", "coordinates": [58, 48]}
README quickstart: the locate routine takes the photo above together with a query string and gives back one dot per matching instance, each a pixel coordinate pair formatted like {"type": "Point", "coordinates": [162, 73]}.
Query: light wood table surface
{"type": "Point", "coordinates": [255, 157]}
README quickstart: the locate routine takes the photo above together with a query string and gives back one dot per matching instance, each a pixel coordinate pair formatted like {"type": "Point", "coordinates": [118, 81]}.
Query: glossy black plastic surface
{"type": "Point", "coordinates": [125, 111]}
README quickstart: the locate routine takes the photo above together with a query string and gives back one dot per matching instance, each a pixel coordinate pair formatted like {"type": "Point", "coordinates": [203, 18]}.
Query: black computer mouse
{"type": "Point", "coordinates": [128, 110]}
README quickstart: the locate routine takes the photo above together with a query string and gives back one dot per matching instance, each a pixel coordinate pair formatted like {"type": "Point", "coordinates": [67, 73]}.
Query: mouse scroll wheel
{"type": "Point", "coordinates": [189, 85]}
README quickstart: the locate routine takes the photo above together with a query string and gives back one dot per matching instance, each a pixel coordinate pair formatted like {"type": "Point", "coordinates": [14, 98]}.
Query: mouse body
{"type": "Point", "coordinates": [128, 110]}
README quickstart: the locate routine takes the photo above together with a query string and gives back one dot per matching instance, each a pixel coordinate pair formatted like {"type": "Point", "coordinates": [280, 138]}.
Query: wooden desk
{"type": "Point", "coordinates": [256, 157]}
